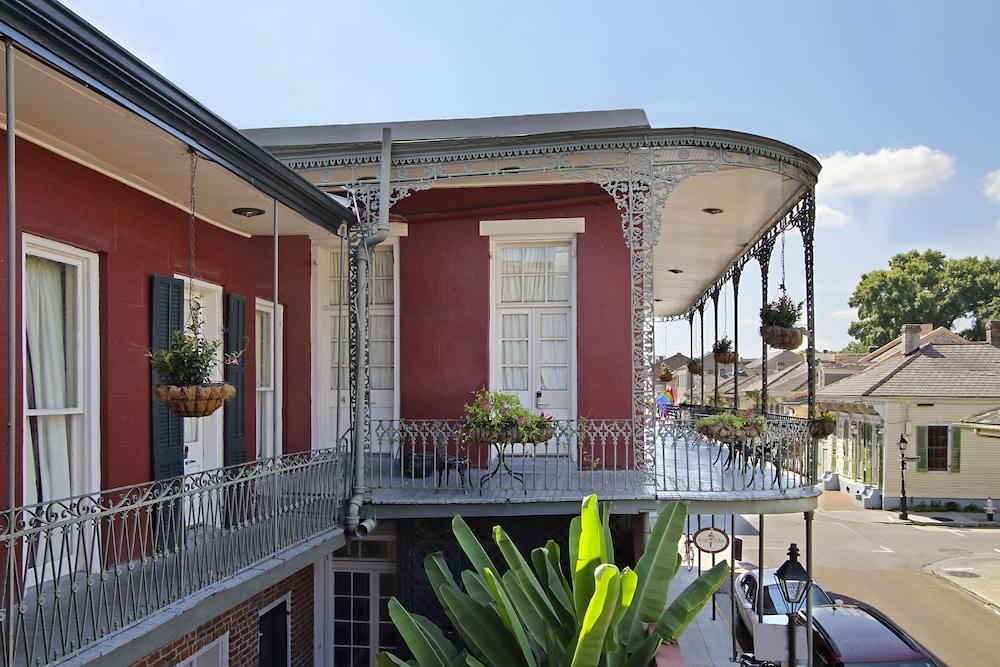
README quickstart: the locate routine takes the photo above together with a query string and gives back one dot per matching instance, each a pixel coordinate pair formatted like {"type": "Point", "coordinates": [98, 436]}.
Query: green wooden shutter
{"type": "Point", "coordinates": [956, 449]}
{"type": "Point", "coordinates": [922, 449]}
{"type": "Point", "coordinates": [166, 317]}
{"type": "Point", "coordinates": [236, 375]}
{"type": "Point", "coordinates": [868, 453]}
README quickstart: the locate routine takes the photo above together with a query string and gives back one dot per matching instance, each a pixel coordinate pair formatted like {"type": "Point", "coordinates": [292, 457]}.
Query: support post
{"type": "Point", "coordinates": [691, 353]}
{"type": "Point", "coordinates": [701, 348]}
{"type": "Point", "coordinates": [12, 338]}
{"type": "Point", "coordinates": [274, 376]}
{"type": "Point", "coordinates": [715, 334]}
{"type": "Point", "coordinates": [809, 599]}
{"type": "Point", "coordinates": [760, 568]}
{"type": "Point", "coordinates": [732, 583]}
{"type": "Point", "coordinates": [736, 338]}
{"type": "Point", "coordinates": [807, 228]}
{"type": "Point", "coordinates": [764, 259]}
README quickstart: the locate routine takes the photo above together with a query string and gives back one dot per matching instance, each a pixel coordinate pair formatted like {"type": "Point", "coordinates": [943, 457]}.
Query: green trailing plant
{"type": "Point", "coordinates": [827, 417]}
{"type": "Point", "coordinates": [732, 419]}
{"type": "Point", "coordinates": [190, 358]}
{"type": "Point", "coordinates": [782, 312]}
{"type": "Point", "coordinates": [531, 614]}
{"type": "Point", "coordinates": [664, 373]}
{"type": "Point", "coordinates": [496, 414]}
{"type": "Point", "coordinates": [723, 345]}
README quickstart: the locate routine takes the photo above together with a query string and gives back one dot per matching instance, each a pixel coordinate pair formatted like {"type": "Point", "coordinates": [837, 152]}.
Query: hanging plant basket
{"type": "Point", "coordinates": [725, 358]}
{"type": "Point", "coordinates": [198, 400]}
{"type": "Point", "coordinates": [664, 374]}
{"type": "Point", "coordinates": [822, 428]}
{"type": "Point", "coordinates": [696, 367]}
{"type": "Point", "coordinates": [783, 338]}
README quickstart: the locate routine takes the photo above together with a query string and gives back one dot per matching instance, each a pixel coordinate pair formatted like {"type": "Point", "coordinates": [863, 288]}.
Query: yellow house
{"type": "Point", "coordinates": [932, 391]}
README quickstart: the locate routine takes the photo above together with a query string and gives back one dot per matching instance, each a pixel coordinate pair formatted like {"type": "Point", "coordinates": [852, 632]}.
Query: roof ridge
{"type": "Point", "coordinates": [907, 360]}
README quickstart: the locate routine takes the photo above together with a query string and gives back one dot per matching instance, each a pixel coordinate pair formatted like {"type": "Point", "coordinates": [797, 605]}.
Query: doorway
{"type": "Point", "coordinates": [274, 634]}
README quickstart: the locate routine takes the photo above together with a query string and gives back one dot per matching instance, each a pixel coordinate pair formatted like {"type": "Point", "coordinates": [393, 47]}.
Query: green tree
{"type": "Point", "coordinates": [922, 288]}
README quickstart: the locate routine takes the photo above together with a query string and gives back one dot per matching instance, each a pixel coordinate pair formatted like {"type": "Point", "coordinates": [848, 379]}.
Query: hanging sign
{"type": "Point", "coordinates": [711, 540]}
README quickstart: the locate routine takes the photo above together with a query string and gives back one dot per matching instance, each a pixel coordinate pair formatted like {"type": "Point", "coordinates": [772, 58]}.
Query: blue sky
{"type": "Point", "coordinates": [899, 99]}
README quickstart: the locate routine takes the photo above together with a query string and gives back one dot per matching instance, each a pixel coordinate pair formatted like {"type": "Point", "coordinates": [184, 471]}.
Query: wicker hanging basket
{"type": "Point", "coordinates": [198, 400]}
{"type": "Point", "coordinates": [783, 338]}
{"type": "Point", "coordinates": [822, 428]}
{"type": "Point", "coordinates": [696, 367]}
{"type": "Point", "coordinates": [725, 358]}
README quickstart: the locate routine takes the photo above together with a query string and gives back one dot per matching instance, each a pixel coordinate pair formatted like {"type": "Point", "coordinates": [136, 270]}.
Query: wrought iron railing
{"type": "Point", "coordinates": [606, 456]}
{"type": "Point", "coordinates": [86, 567]}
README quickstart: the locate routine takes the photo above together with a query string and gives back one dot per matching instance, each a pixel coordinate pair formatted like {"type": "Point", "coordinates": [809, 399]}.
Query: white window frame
{"type": "Point", "coordinates": [278, 375]}
{"type": "Point", "coordinates": [86, 455]}
{"type": "Point", "coordinates": [287, 599]}
{"type": "Point", "coordinates": [223, 640]}
{"type": "Point", "coordinates": [533, 231]}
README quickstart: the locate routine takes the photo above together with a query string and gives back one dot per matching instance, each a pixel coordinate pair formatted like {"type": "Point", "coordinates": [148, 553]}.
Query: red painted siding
{"type": "Point", "coordinates": [135, 236]}
{"type": "Point", "coordinates": [444, 296]}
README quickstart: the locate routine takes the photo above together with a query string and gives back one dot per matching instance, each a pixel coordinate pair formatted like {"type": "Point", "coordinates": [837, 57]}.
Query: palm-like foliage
{"type": "Point", "coordinates": [535, 616]}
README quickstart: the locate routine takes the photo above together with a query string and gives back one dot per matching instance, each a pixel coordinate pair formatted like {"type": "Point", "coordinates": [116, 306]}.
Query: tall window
{"type": "Point", "coordinates": [60, 371]}
{"type": "Point", "coordinates": [534, 274]}
{"type": "Point", "coordinates": [937, 448]}
{"type": "Point", "coordinates": [268, 372]}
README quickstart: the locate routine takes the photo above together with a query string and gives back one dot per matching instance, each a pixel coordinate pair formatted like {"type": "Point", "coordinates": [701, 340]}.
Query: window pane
{"type": "Point", "coordinates": [515, 326]}
{"type": "Point", "coordinates": [534, 260]}
{"type": "Point", "coordinates": [51, 313]}
{"type": "Point", "coordinates": [534, 289]}
{"type": "Point", "coordinates": [555, 325]}
{"type": "Point", "coordinates": [554, 352]}
{"type": "Point", "coordinates": [510, 261]}
{"type": "Point", "coordinates": [554, 378]}
{"type": "Point", "coordinates": [48, 443]}
{"type": "Point", "coordinates": [558, 259]}
{"type": "Point", "coordinates": [515, 352]}
{"type": "Point", "coordinates": [510, 289]}
{"type": "Point", "coordinates": [381, 377]}
{"type": "Point", "coordinates": [558, 288]}
{"type": "Point", "coordinates": [381, 327]}
{"type": "Point", "coordinates": [263, 352]}
{"type": "Point", "coordinates": [515, 378]}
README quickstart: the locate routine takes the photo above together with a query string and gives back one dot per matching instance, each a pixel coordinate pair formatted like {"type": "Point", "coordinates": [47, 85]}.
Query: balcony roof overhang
{"type": "Point", "coordinates": [80, 95]}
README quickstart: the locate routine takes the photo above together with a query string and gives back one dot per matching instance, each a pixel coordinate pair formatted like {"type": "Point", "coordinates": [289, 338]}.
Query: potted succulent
{"type": "Point", "coordinates": [824, 426]}
{"type": "Point", "coordinates": [778, 319]}
{"type": "Point", "coordinates": [722, 351]}
{"type": "Point", "coordinates": [731, 427]}
{"type": "Point", "coordinates": [185, 370]}
{"type": "Point", "coordinates": [664, 373]}
{"type": "Point", "coordinates": [696, 367]}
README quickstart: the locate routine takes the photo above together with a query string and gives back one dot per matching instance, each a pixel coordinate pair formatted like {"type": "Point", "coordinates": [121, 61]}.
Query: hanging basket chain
{"type": "Point", "coordinates": [781, 286]}
{"type": "Point", "coordinates": [191, 225]}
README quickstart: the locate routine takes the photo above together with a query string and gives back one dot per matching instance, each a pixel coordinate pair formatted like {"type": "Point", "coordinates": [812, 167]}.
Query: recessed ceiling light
{"type": "Point", "coordinates": [712, 211]}
{"type": "Point", "coordinates": [675, 271]}
{"type": "Point", "coordinates": [657, 300]}
{"type": "Point", "coordinates": [248, 211]}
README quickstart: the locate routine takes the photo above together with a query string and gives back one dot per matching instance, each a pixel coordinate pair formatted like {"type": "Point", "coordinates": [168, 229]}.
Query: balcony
{"type": "Point", "coordinates": [88, 567]}
{"type": "Point", "coordinates": [426, 461]}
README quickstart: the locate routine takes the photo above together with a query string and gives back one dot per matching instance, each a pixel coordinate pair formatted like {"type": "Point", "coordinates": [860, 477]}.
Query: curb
{"type": "Point", "coordinates": [993, 606]}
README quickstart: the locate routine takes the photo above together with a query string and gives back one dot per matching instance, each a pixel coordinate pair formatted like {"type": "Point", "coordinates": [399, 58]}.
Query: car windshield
{"type": "Point", "coordinates": [775, 604]}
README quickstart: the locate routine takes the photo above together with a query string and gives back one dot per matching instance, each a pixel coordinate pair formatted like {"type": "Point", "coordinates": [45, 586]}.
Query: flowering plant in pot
{"type": "Point", "coordinates": [731, 427]}
{"type": "Point", "coordinates": [778, 319]}
{"type": "Point", "coordinates": [696, 367]}
{"type": "Point", "coordinates": [722, 351]}
{"type": "Point", "coordinates": [493, 416]}
{"type": "Point", "coordinates": [185, 370]}
{"type": "Point", "coordinates": [663, 373]}
{"type": "Point", "coordinates": [823, 426]}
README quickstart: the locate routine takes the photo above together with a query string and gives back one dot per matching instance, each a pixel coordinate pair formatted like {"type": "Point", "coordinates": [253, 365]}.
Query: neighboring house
{"type": "Point", "coordinates": [923, 386]}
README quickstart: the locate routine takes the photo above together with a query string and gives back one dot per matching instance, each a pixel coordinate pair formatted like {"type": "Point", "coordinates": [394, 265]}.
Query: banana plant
{"type": "Point", "coordinates": [535, 615]}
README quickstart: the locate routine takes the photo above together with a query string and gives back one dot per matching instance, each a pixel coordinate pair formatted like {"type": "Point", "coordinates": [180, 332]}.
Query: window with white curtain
{"type": "Point", "coordinates": [268, 372]}
{"type": "Point", "coordinates": [534, 274]}
{"type": "Point", "coordinates": [60, 371]}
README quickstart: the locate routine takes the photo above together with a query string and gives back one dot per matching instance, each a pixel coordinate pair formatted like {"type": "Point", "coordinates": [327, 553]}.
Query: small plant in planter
{"type": "Point", "coordinates": [722, 351]}
{"type": "Point", "coordinates": [778, 319]}
{"type": "Point", "coordinates": [494, 416]}
{"type": "Point", "coordinates": [730, 427]}
{"type": "Point", "coordinates": [185, 370]}
{"type": "Point", "coordinates": [823, 426]}
{"type": "Point", "coordinates": [696, 367]}
{"type": "Point", "coordinates": [664, 373]}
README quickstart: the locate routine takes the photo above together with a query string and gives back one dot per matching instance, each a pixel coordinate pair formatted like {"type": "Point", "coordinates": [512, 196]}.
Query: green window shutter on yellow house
{"type": "Point", "coordinates": [956, 450]}
{"type": "Point", "coordinates": [921, 449]}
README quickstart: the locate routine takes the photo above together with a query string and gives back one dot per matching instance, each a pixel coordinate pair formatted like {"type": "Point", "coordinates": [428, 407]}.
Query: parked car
{"type": "Point", "coordinates": [775, 611]}
{"type": "Point", "coordinates": [846, 635]}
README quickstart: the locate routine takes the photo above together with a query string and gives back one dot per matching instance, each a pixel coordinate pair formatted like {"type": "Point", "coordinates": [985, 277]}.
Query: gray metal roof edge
{"type": "Point", "coordinates": [416, 152]}
{"type": "Point", "coordinates": [51, 32]}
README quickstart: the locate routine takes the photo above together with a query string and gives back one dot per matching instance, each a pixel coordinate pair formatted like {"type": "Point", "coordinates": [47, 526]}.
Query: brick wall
{"type": "Point", "coordinates": [241, 622]}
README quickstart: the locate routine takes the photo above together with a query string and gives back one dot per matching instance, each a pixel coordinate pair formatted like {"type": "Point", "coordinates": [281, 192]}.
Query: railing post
{"type": "Point", "coordinates": [807, 228]}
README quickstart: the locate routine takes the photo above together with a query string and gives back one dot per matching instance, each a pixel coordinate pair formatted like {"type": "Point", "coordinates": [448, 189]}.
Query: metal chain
{"type": "Point", "coordinates": [782, 285]}
{"type": "Point", "coordinates": [191, 257]}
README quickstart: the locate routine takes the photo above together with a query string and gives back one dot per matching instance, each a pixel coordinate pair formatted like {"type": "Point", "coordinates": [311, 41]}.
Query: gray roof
{"type": "Point", "coordinates": [947, 370]}
{"type": "Point", "coordinates": [455, 128]}
{"type": "Point", "coordinates": [988, 418]}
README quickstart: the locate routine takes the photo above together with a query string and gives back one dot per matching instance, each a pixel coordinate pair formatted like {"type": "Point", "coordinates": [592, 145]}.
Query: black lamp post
{"type": "Point", "coordinates": [793, 582]}
{"type": "Point", "coordinates": [902, 478]}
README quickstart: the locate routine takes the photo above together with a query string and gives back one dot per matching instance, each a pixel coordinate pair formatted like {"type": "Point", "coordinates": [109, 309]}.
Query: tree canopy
{"type": "Point", "coordinates": [926, 287]}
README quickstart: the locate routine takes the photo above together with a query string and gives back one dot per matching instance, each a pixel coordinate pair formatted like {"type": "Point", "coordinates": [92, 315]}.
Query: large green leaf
{"type": "Point", "coordinates": [574, 543]}
{"type": "Point", "coordinates": [529, 583]}
{"type": "Point", "coordinates": [471, 546]}
{"type": "Point", "coordinates": [441, 643]}
{"type": "Point", "coordinates": [657, 566]}
{"type": "Point", "coordinates": [510, 618]}
{"type": "Point", "coordinates": [643, 654]}
{"type": "Point", "coordinates": [609, 547]}
{"type": "Point", "coordinates": [386, 659]}
{"type": "Point", "coordinates": [597, 618]}
{"type": "Point", "coordinates": [476, 587]}
{"type": "Point", "coordinates": [552, 582]}
{"type": "Point", "coordinates": [536, 626]}
{"type": "Point", "coordinates": [555, 557]}
{"type": "Point", "coordinates": [590, 553]}
{"type": "Point", "coordinates": [629, 581]}
{"type": "Point", "coordinates": [482, 628]}
{"type": "Point", "coordinates": [420, 645]}
{"type": "Point", "coordinates": [687, 605]}
{"type": "Point", "coordinates": [437, 571]}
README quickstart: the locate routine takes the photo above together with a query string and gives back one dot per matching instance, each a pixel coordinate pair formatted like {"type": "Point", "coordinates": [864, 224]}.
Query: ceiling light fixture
{"type": "Point", "coordinates": [675, 271]}
{"type": "Point", "coordinates": [248, 211]}
{"type": "Point", "coordinates": [712, 211]}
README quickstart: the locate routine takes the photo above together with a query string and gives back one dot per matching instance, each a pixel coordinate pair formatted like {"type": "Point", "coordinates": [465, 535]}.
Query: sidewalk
{"type": "Point", "coordinates": [705, 643]}
{"type": "Point", "coordinates": [949, 519]}
{"type": "Point", "coordinates": [977, 575]}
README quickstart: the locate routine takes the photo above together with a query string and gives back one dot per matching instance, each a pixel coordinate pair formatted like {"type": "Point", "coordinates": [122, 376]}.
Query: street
{"type": "Point", "coordinates": [870, 556]}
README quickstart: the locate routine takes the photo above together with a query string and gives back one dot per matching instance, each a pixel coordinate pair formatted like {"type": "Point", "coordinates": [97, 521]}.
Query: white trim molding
{"type": "Point", "coordinates": [548, 227]}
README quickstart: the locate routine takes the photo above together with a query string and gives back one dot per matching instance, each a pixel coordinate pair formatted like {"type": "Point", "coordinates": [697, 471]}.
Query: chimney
{"type": "Point", "coordinates": [993, 333]}
{"type": "Point", "coordinates": [911, 338]}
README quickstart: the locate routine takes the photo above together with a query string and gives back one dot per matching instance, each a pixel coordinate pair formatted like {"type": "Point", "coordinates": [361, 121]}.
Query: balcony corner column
{"type": "Point", "coordinates": [736, 337]}
{"type": "Point", "coordinates": [715, 335]}
{"type": "Point", "coordinates": [764, 259]}
{"type": "Point", "coordinates": [701, 347]}
{"type": "Point", "coordinates": [807, 226]}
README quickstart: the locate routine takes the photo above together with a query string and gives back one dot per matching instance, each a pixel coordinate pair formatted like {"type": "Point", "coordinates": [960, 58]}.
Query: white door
{"type": "Point", "coordinates": [333, 358]}
{"type": "Point", "coordinates": [203, 435]}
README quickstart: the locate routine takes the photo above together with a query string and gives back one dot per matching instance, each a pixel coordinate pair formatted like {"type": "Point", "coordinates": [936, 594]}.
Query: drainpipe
{"type": "Point", "coordinates": [355, 526]}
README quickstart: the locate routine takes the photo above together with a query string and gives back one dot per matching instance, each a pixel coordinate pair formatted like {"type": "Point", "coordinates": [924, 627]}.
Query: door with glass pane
{"type": "Point", "coordinates": [534, 319]}
{"type": "Point", "coordinates": [268, 372]}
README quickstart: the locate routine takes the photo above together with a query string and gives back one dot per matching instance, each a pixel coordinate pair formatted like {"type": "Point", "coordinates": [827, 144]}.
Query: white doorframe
{"type": "Point", "coordinates": [223, 644]}
{"type": "Point", "coordinates": [278, 379]}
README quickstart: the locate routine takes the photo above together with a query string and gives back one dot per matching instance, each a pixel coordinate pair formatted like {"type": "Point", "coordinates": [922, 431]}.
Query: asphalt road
{"type": "Point", "coordinates": [868, 556]}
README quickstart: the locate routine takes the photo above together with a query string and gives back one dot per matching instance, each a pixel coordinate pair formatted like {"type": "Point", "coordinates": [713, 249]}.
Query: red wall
{"type": "Point", "coordinates": [135, 236]}
{"type": "Point", "coordinates": [444, 296]}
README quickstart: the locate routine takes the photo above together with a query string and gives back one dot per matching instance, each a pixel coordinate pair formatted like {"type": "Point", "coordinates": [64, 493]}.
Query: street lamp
{"type": "Point", "coordinates": [793, 582]}
{"type": "Point", "coordinates": [902, 478]}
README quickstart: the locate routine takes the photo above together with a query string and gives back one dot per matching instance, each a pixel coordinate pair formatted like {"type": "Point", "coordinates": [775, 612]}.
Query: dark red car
{"type": "Point", "coordinates": [850, 635]}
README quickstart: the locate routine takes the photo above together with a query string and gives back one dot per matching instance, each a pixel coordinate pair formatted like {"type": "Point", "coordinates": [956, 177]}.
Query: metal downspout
{"type": "Point", "coordinates": [353, 521]}
{"type": "Point", "coordinates": [12, 338]}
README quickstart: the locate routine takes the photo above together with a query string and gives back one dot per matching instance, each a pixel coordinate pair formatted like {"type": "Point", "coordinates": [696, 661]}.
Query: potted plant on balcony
{"type": "Point", "coordinates": [696, 367]}
{"type": "Point", "coordinates": [185, 370]}
{"type": "Point", "coordinates": [664, 374]}
{"type": "Point", "coordinates": [824, 426]}
{"type": "Point", "coordinates": [722, 351]}
{"type": "Point", "coordinates": [731, 428]}
{"type": "Point", "coordinates": [494, 416]}
{"type": "Point", "coordinates": [778, 319]}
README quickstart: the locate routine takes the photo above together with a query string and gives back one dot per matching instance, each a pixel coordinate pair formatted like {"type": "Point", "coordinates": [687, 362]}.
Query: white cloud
{"type": "Point", "coordinates": [827, 216]}
{"type": "Point", "coordinates": [890, 170]}
{"type": "Point", "coordinates": [991, 185]}
{"type": "Point", "coordinates": [844, 315]}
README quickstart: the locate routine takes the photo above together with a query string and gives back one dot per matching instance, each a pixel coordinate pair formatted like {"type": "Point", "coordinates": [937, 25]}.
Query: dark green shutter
{"type": "Point", "coordinates": [166, 317]}
{"type": "Point", "coordinates": [236, 375]}
{"type": "Point", "coordinates": [921, 449]}
{"type": "Point", "coordinates": [956, 449]}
